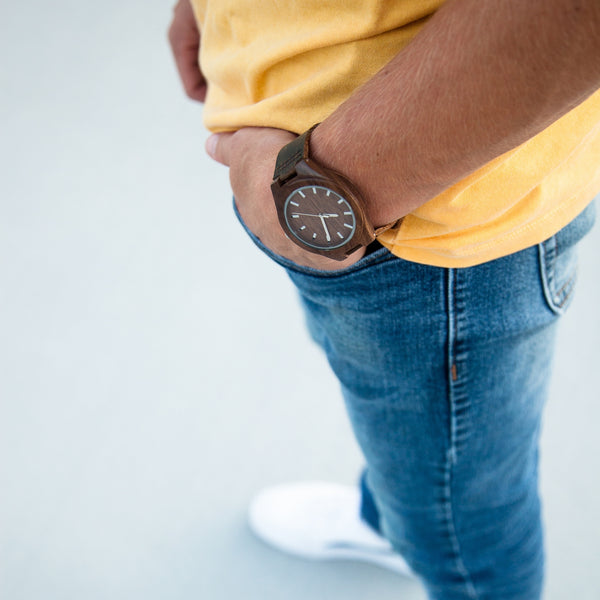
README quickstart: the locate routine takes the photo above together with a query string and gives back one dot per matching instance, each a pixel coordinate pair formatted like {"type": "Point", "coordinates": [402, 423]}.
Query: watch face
{"type": "Point", "coordinates": [319, 217]}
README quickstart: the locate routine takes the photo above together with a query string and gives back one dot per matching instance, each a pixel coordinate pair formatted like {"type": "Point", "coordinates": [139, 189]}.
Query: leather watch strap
{"type": "Point", "coordinates": [290, 155]}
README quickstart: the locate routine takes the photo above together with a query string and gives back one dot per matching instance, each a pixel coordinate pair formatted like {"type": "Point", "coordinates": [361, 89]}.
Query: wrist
{"type": "Point", "coordinates": [357, 156]}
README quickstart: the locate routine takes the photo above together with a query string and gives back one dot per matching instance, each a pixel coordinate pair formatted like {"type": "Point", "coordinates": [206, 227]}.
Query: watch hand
{"type": "Point", "coordinates": [326, 215]}
{"type": "Point", "coordinates": [327, 236]}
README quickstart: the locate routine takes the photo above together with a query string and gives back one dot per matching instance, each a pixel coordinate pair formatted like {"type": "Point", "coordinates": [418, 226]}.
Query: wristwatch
{"type": "Point", "coordinates": [318, 208]}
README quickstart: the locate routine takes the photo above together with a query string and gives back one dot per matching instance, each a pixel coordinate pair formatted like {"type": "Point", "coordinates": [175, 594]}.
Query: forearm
{"type": "Point", "coordinates": [482, 77]}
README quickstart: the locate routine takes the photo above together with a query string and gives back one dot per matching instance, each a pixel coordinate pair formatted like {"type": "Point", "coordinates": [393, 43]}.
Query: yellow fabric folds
{"type": "Point", "coordinates": [290, 64]}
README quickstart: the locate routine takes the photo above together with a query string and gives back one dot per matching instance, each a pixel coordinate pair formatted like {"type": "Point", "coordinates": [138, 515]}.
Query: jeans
{"type": "Point", "coordinates": [444, 373]}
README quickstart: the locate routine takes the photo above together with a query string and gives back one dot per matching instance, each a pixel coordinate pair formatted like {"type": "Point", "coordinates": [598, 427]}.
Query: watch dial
{"type": "Point", "coordinates": [319, 217]}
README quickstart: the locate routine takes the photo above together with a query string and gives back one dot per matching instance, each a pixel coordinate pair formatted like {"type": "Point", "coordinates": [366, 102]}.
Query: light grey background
{"type": "Point", "coordinates": [147, 348]}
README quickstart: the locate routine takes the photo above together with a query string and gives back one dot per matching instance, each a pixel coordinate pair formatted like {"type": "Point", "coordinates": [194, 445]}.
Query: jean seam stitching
{"type": "Point", "coordinates": [562, 296]}
{"type": "Point", "coordinates": [451, 454]}
{"type": "Point", "coordinates": [556, 300]}
{"type": "Point", "coordinates": [335, 274]}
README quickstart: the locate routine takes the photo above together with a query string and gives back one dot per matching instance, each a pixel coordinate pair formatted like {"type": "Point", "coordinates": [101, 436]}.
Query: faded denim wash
{"type": "Point", "coordinates": [445, 373]}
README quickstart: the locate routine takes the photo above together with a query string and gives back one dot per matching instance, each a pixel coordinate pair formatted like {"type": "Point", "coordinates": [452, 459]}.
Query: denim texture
{"type": "Point", "coordinates": [445, 373]}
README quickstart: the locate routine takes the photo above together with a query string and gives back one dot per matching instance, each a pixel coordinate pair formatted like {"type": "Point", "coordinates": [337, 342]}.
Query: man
{"type": "Point", "coordinates": [465, 136]}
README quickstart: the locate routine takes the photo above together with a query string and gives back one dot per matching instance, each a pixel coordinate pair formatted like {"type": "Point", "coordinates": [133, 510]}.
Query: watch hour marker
{"type": "Point", "coordinates": [303, 228]}
{"type": "Point", "coordinates": [341, 201]}
{"type": "Point", "coordinates": [302, 193]}
{"type": "Point", "coordinates": [348, 226]}
{"type": "Point", "coordinates": [347, 213]}
{"type": "Point", "coordinates": [295, 203]}
{"type": "Point", "coordinates": [314, 190]}
{"type": "Point", "coordinates": [328, 193]}
{"type": "Point", "coordinates": [314, 235]}
{"type": "Point", "coordinates": [295, 216]}
{"type": "Point", "coordinates": [341, 236]}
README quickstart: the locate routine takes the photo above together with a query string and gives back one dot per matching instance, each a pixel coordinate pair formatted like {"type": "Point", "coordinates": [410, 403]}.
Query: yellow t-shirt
{"type": "Point", "coordinates": [291, 64]}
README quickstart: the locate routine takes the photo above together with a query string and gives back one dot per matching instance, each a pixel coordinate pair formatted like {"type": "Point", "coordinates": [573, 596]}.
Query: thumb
{"type": "Point", "coordinates": [217, 147]}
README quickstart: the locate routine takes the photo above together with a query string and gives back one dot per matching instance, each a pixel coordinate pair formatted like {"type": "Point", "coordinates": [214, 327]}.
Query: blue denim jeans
{"type": "Point", "coordinates": [444, 374]}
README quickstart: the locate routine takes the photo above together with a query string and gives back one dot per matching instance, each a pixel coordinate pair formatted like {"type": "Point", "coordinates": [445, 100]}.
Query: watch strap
{"type": "Point", "coordinates": [290, 155]}
{"type": "Point", "coordinates": [391, 225]}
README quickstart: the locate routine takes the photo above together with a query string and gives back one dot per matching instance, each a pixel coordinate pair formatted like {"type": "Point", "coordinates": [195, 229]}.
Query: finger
{"type": "Point", "coordinates": [218, 147]}
{"type": "Point", "coordinates": [190, 74]}
{"type": "Point", "coordinates": [184, 39]}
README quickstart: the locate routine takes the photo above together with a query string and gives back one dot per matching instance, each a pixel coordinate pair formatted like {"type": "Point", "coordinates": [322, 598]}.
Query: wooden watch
{"type": "Point", "coordinates": [318, 208]}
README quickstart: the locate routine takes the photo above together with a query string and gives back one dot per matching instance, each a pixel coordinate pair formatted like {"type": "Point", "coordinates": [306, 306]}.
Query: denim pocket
{"type": "Point", "coordinates": [380, 255]}
{"type": "Point", "coordinates": [558, 261]}
{"type": "Point", "coordinates": [559, 273]}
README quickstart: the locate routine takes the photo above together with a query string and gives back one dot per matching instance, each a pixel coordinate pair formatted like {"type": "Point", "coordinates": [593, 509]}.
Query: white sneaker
{"type": "Point", "coordinates": [320, 521]}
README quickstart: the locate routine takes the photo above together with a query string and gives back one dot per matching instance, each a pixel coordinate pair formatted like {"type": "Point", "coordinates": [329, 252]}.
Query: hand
{"type": "Point", "coordinates": [250, 153]}
{"type": "Point", "coordinates": [184, 38]}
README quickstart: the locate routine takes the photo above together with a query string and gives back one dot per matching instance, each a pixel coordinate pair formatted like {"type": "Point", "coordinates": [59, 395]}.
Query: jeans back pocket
{"type": "Point", "coordinates": [558, 261]}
